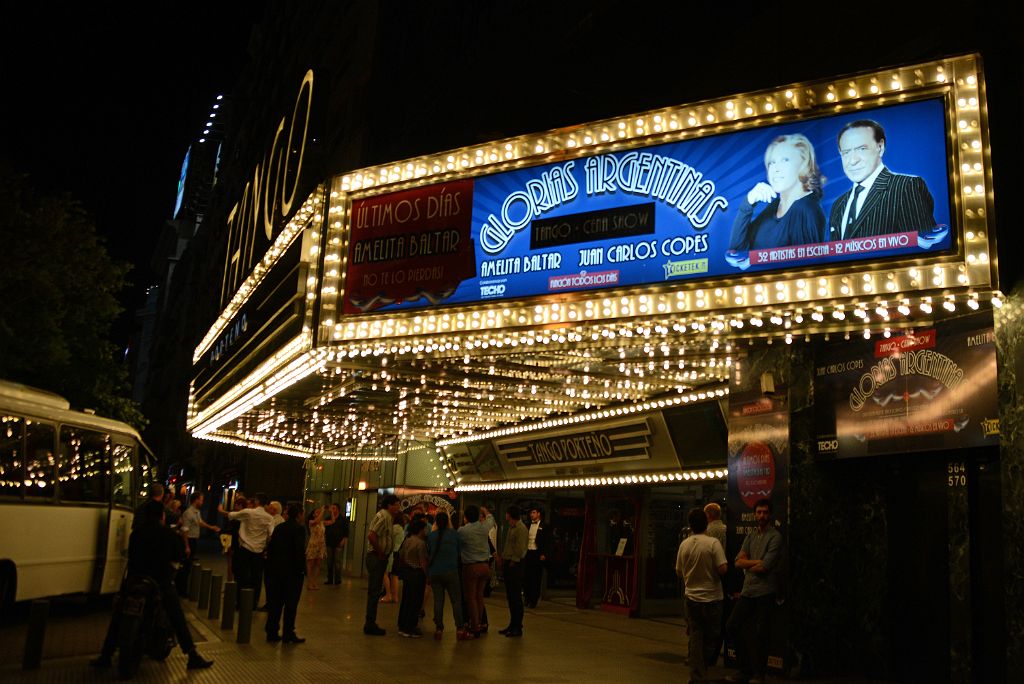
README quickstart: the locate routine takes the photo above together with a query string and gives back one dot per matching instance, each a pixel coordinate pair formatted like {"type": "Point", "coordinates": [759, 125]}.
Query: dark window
{"type": "Point", "coordinates": [84, 464]}
{"type": "Point", "coordinates": [121, 477]}
{"type": "Point", "coordinates": [40, 461]}
{"type": "Point", "coordinates": [12, 455]}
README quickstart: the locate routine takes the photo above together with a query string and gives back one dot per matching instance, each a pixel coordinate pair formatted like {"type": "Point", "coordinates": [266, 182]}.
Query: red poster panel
{"type": "Point", "coordinates": [409, 246]}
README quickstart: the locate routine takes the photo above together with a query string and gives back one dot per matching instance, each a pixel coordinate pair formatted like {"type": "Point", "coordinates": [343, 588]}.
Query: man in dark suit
{"type": "Point", "coordinates": [537, 547]}
{"type": "Point", "coordinates": [286, 568]}
{"type": "Point", "coordinates": [880, 202]}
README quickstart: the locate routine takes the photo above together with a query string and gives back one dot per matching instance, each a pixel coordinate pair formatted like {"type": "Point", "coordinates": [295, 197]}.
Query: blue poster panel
{"type": "Point", "coordinates": [859, 186]}
{"type": "Point", "coordinates": [922, 390]}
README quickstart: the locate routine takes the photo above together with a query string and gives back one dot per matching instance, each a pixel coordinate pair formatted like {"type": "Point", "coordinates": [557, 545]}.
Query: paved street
{"type": "Point", "coordinates": [560, 644]}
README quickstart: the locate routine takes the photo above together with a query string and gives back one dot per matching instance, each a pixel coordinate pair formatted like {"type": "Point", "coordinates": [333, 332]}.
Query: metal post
{"type": "Point", "coordinates": [38, 613]}
{"type": "Point", "coordinates": [227, 616]}
{"type": "Point", "coordinates": [193, 582]}
{"type": "Point", "coordinates": [215, 582]}
{"type": "Point", "coordinates": [204, 588]}
{"type": "Point", "coordinates": [245, 597]}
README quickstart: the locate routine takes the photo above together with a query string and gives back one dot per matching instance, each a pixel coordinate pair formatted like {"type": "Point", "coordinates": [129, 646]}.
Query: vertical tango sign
{"type": "Point", "coordinates": [270, 194]}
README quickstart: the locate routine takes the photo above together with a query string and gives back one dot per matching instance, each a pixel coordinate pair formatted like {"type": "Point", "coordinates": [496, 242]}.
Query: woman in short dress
{"type": "Point", "coordinates": [316, 549]}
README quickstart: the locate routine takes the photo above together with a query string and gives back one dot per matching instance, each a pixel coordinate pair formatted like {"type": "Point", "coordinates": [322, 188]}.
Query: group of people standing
{"type": "Point", "coordinates": [702, 564]}
{"type": "Point", "coordinates": [456, 563]}
{"type": "Point", "coordinates": [266, 546]}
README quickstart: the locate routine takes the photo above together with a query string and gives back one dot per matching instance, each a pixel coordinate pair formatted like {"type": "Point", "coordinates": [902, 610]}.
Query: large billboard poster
{"type": "Point", "coordinates": [919, 390]}
{"type": "Point", "coordinates": [857, 186]}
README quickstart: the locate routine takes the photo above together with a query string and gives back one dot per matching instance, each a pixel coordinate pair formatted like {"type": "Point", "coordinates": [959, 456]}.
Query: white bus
{"type": "Point", "coordinates": [69, 484]}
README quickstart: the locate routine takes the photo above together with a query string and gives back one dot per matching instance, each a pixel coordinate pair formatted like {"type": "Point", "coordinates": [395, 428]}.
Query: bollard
{"type": "Point", "coordinates": [214, 597]}
{"type": "Point", "coordinates": [244, 615]}
{"type": "Point", "coordinates": [204, 588]}
{"type": "Point", "coordinates": [36, 632]}
{"type": "Point", "coordinates": [193, 582]}
{"type": "Point", "coordinates": [227, 616]}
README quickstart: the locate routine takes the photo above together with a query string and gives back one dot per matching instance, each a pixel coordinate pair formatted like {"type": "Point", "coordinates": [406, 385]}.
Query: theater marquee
{"type": "Point", "coordinates": [659, 215]}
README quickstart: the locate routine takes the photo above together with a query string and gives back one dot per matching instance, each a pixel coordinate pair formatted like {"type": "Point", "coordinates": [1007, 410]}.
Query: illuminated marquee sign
{"type": "Point", "coordinates": [270, 195]}
{"type": "Point", "coordinates": [779, 197]}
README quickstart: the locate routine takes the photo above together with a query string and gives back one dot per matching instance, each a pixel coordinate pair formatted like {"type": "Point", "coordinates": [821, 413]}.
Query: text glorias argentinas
{"type": "Point", "coordinates": [928, 363]}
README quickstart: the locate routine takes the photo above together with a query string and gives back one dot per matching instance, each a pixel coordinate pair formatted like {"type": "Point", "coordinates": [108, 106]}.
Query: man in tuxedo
{"type": "Point", "coordinates": [536, 557]}
{"type": "Point", "coordinates": [880, 201]}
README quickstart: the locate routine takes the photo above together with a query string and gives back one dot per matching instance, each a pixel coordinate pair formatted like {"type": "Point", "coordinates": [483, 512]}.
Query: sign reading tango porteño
{"type": "Point", "coordinates": [622, 442]}
{"type": "Point", "coordinates": [857, 186]}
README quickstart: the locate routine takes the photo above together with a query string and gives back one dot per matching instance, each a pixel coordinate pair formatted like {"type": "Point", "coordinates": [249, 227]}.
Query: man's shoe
{"type": "Point", "coordinates": [374, 630]}
{"type": "Point", "coordinates": [197, 662]}
{"type": "Point", "coordinates": [505, 631]}
{"type": "Point", "coordinates": [272, 638]}
{"type": "Point", "coordinates": [514, 633]}
{"type": "Point", "coordinates": [293, 639]}
{"type": "Point", "coordinates": [101, 663]}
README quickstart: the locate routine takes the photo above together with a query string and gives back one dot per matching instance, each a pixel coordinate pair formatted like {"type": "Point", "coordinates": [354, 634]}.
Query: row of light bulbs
{"type": "Point", "coordinates": [708, 394]}
{"type": "Point", "coordinates": [211, 118]}
{"type": "Point", "coordinates": [671, 123]}
{"type": "Point", "coordinates": [308, 215]}
{"type": "Point", "coordinates": [696, 476]}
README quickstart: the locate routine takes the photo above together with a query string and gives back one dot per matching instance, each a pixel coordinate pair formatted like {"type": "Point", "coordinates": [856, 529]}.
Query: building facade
{"type": "Point", "coordinates": [619, 318]}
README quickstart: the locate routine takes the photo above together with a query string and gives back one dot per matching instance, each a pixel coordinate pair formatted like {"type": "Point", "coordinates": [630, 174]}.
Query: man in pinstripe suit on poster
{"type": "Point", "coordinates": [880, 201]}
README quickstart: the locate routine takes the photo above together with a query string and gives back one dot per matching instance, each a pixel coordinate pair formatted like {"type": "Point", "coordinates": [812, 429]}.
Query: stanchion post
{"type": "Point", "coordinates": [204, 588]}
{"type": "Point", "coordinates": [38, 613]}
{"type": "Point", "coordinates": [227, 616]}
{"type": "Point", "coordinates": [215, 582]}
{"type": "Point", "coordinates": [193, 582]}
{"type": "Point", "coordinates": [245, 597]}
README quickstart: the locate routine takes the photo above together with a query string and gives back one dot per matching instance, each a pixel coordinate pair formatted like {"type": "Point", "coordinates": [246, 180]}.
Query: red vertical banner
{"type": "Point", "coordinates": [759, 469]}
{"type": "Point", "coordinates": [409, 246]}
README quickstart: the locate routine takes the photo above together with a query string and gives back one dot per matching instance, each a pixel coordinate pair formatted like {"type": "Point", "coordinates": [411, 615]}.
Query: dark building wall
{"type": "Point", "coordinates": [1009, 328]}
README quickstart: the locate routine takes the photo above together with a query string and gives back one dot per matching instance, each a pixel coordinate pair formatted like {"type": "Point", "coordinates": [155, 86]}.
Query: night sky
{"type": "Point", "coordinates": [102, 101]}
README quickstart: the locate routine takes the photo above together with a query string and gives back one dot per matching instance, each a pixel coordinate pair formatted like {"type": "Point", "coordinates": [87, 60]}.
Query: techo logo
{"type": "Point", "coordinates": [492, 290]}
{"type": "Point", "coordinates": [827, 446]}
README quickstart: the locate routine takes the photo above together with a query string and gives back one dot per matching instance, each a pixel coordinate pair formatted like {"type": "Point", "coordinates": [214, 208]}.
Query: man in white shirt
{"type": "Point", "coordinates": [252, 537]}
{"type": "Point", "coordinates": [536, 557]}
{"type": "Point", "coordinates": [700, 562]}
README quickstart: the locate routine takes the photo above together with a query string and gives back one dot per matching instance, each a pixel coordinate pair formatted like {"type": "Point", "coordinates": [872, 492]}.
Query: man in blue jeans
{"type": "Point", "coordinates": [380, 545]}
{"type": "Point", "coordinates": [748, 625]}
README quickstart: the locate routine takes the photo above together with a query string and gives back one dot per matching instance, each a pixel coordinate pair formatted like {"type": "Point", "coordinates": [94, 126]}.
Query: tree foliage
{"type": "Point", "coordinates": [58, 300]}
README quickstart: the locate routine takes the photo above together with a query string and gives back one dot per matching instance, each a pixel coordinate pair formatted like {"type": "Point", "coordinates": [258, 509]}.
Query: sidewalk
{"type": "Point", "coordinates": [560, 644]}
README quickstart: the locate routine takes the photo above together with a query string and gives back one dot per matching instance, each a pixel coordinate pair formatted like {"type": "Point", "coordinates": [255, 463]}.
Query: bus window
{"type": "Point", "coordinates": [121, 475]}
{"type": "Point", "coordinates": [39, 475]}
{"type": "Point", "coordinates": [83, 465]}
{"type": "Point", "coordinates": [12, 452]}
